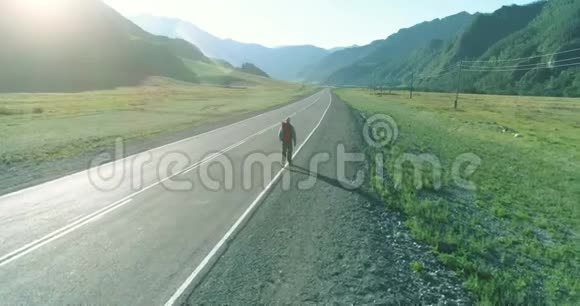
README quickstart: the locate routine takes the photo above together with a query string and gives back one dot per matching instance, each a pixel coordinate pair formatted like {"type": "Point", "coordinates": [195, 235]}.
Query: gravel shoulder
{"type": "Point", "coordinates": [327, 244]}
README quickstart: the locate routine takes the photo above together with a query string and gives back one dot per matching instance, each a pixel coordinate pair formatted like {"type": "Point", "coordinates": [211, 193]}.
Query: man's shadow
{"type": "Point", "coordinates": [372, 198]}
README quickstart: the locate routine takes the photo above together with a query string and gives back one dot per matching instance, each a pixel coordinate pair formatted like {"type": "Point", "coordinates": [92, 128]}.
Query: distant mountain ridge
{"type": "Point", "coordinates": [284, 63]}
{"type": "Point", "coordinates": [90, 47]}
{"type": "Point", "coordinates": [509, 51]}
{"type": "Point", "coordinates": [339, 66]}
{"type": "Point", "coordinates": [252, 69]}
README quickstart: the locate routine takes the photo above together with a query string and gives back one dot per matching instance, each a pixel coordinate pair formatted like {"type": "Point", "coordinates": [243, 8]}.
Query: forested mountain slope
{"type": "Point", "coordinates": [532, 50]}
{"type": "Point", "coordinates": [356, 65]}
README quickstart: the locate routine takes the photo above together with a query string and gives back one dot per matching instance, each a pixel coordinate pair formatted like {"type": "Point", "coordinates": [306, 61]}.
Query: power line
{"type": "Point", "coordinates": [470, 67]}
{"type": "Point", "coordinates": [459, 72]}
{"type": "Point", "coordinates": [509, 70]}
{"type": "Point", "coordinates": [440, 74]}
{"type": "Point", "coordinates": [479, 68]}
{"type": "Point", "coordinates": [540, 65]}
{"type": "Point", "coordinates": [524, 58]}
{"type": "Point", "coordinates": [503, 68]}
{"type": "Point", "coordinates": [435, 75]}
{"type": "Point", "coordinates": [523, 66]}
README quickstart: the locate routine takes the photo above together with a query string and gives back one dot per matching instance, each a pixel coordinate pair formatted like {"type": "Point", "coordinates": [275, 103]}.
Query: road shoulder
{"type": "Point", "coordinates": [326, 244]}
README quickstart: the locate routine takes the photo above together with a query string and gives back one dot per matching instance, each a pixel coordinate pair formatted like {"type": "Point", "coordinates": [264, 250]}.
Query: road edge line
{"type": "Point", "coordinates": [17, 192]}
{"type": "Point", "coordinates": [178, 297]}
{"type": "Point", "coordinates": [32, 246]}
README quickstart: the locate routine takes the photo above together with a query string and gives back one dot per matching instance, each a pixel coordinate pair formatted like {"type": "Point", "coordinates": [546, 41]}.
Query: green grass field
{"type": "Point", "coordinates": [36, 128]}
{"type": "Point", "coordinates": [514, 240]}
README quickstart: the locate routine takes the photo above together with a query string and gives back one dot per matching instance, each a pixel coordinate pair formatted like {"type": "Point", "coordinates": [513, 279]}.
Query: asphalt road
{"type": "Point", "coordinates": [137, 238]}
{"type": "Point", "coordinates": [319, 241]}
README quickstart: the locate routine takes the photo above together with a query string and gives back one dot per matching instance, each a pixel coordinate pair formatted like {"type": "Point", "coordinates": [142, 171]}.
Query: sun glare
{"type": "Point", "coordinates": [39, 15]}
{"type": "Point", "coordinates": [41, 8]}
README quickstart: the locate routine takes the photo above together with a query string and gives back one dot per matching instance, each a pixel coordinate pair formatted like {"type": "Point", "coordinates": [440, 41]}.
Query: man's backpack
{"type": "Point", "coordinates": [286, 132]}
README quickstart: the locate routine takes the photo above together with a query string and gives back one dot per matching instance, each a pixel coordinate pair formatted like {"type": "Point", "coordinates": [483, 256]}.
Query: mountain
{"type": "Point", "coordinates": [332, 50]}
{"type": "Point", "coordinates": [335, 61]}
{"type": "Point", "coordinates": [356, 65]}
{"type": "Point", "coordinates": [532, 49]}
{"type": "Point", "coordinates": [83, 45]}
{"type": "Point", "coordinates": [252, 69]}
{"type": "Point", "coordinates": [486, 30]}
{"type": "Point", "coordinates": [284, 63]}
{"type": "Point", "coordinates": [554, 31]}
{"type": "Point", "coordinates": [502, 51]}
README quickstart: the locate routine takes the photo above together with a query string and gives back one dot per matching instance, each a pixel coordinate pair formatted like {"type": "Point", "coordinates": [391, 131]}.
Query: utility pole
{"type": "Point", "coordinates": [458, 84]}
{"type": "Point", "coordinates": [412, 83]}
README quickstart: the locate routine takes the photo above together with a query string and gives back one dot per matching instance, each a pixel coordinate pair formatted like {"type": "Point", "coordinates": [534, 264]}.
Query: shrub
{"type": "Point", "coordinates": [416, 266]}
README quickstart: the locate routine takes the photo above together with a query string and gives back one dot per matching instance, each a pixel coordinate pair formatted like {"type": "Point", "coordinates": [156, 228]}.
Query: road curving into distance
{"type": "Point", "coordinates": [319, 241]}
{"type": "Point", "coordinates": [85, 239]}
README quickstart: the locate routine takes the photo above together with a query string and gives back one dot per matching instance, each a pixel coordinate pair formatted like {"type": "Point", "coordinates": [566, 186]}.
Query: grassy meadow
{"type": "Point", "coordinates": [38, 128]}
{"type": "Point", "coordinates": [514, 239]}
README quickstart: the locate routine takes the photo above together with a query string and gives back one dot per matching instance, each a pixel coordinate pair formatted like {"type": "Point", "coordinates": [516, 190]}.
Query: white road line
{"type": "Point", "coordinates": [181, 290]}
{"type": "Point", "coordinates": [4, 260]}
{"type": "Point", "coordinates": [151, 150]}
{"type": "Point", "coordinates": [223, 151]}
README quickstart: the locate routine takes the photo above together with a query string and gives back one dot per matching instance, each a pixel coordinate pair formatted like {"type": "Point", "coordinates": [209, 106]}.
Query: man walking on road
{"type": "Point", "coordinates": [287, 136]}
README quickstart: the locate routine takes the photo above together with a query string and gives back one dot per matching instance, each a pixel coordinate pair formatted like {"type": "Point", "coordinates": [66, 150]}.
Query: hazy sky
{"type": "Point", "coordinates": [325, 23]}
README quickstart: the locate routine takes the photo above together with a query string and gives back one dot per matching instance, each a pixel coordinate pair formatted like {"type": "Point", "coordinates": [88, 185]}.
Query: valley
{"type": "Point", "coordinates": [436, 164]}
